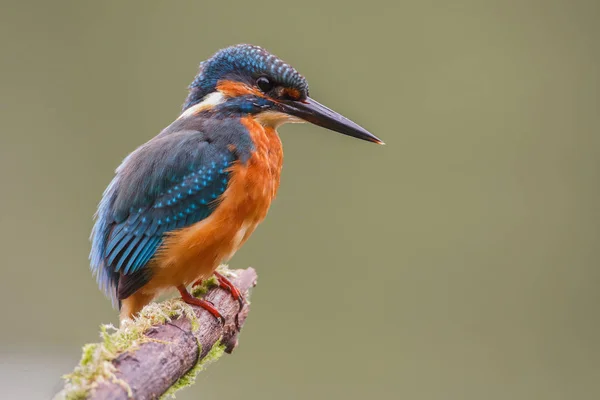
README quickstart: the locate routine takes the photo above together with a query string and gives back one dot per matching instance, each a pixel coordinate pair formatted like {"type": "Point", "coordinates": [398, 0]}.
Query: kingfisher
{"type": "Point", "coordinates": [189, 198]}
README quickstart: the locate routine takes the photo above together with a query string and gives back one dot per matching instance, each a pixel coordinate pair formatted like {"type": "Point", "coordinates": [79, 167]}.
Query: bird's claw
{"type": "Point", "coordinates": [229, 286]}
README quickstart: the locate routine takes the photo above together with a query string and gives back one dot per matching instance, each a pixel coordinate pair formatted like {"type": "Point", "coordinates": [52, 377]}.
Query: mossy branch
{"type": "Point", "coordinates": [163, 349]}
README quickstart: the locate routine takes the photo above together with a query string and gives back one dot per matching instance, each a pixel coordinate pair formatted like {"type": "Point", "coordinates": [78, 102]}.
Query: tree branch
{"type": "Point", "coordinates": [163, 349]}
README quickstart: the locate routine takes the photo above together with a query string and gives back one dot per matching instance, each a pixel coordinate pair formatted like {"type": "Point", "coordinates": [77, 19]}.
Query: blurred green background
{"type": "Point", "coordinates": [460, 261]}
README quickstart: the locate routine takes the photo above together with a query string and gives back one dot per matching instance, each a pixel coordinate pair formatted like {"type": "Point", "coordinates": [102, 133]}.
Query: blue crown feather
{"type": "Point", "coordinates": [242, 62]}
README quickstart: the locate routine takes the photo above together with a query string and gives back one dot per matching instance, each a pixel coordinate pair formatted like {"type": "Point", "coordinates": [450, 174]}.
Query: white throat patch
{"type": "Point", "coordinates": [209, 101]}
{"type": "Point", "coordinates": [271, 119]}
{"type": "Point", "coordinates": [274, 119]}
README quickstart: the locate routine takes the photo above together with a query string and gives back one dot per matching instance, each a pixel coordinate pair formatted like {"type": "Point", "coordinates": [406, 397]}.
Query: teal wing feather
{"type": "Point", "coordinates": [170, 183]}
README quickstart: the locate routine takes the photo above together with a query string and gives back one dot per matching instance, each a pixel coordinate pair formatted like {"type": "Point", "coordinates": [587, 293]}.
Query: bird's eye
{"type": "Point", "coordinates": [264, 84]}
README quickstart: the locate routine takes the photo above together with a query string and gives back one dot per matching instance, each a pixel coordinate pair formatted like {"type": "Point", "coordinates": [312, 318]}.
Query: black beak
{"type": "Point", "coordinates": [316, 113]}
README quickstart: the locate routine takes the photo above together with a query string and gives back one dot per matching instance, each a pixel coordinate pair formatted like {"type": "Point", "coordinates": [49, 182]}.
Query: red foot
{"type": "Point", "coordinates": [197, 283]}
{"type": "Point", "coordinates": [228, 285]}
{"type": "Point", "coordinates": [207, 305]}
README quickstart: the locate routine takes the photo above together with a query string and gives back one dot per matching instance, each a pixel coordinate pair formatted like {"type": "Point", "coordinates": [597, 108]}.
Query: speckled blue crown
{"type": "Point", "coordinates": [243, 62]}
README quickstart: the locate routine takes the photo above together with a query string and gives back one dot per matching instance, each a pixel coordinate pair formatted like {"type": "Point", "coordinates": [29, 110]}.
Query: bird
{"type": "Point", "coordinates": [185, 201]}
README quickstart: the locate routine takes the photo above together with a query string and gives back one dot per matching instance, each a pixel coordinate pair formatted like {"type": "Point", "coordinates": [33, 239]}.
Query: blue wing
{"type": "Point", "coordinates": [187, 200]}
{"type": "Point", "coordinates": [171, 182]}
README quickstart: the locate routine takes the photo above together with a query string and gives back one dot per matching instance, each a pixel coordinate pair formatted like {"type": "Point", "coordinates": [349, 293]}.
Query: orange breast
{"type": "Point", "coordinates": [194, 252]}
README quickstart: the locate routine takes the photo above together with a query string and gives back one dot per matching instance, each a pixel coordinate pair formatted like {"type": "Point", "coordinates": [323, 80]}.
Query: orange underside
{"type": "Point", "coordinates": [195, 252]}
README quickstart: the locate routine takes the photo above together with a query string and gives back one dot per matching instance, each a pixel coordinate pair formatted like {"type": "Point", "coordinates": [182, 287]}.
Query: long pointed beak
{"type": "Point", "coordinates": [314, 112]}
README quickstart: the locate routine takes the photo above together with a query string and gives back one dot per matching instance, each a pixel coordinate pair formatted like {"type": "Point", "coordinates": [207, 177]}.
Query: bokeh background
{"type": "Point", "coordinates": [460, 261]}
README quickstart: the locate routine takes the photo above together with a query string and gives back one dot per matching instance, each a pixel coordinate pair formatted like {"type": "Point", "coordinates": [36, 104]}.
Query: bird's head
{"type": "Point", "coordinates": [248, 80]}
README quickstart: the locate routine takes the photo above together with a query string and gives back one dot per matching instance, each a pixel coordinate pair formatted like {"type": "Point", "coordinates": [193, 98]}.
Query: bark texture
{"type": "Point", "coordinates": [150, 369]}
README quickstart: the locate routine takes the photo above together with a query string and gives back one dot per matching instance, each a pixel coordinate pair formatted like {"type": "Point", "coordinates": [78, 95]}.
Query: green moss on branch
{"type": "Point", "coordinates": [96, 365]}
{"type": "Point", "coordinates": [190, 377]}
